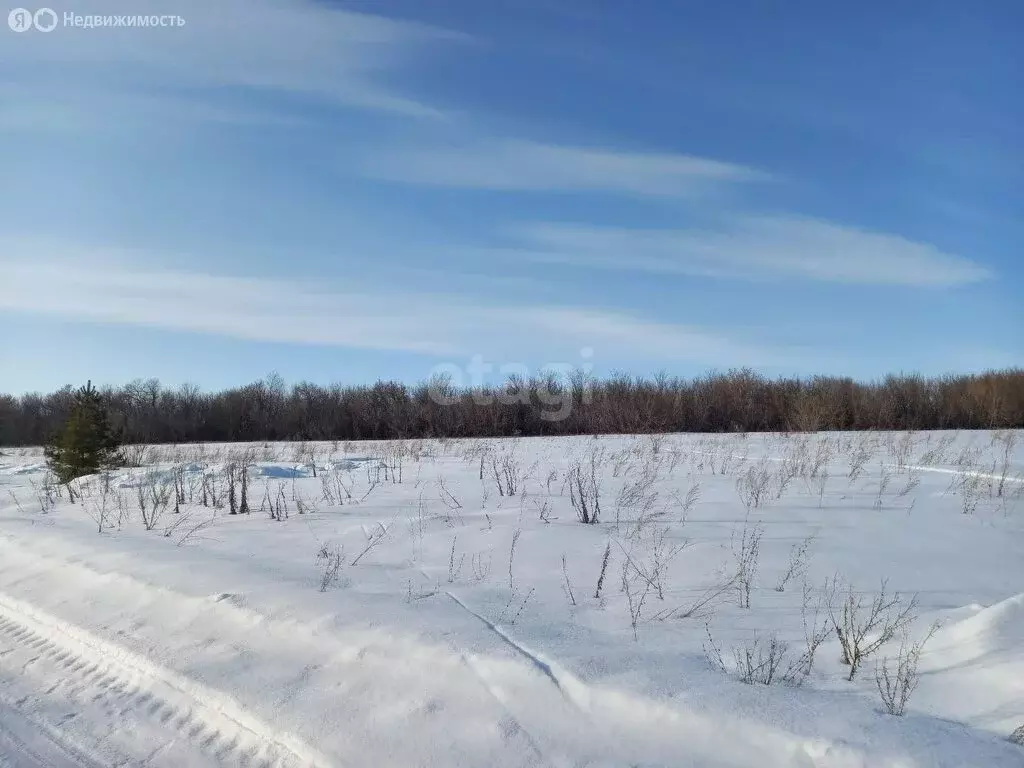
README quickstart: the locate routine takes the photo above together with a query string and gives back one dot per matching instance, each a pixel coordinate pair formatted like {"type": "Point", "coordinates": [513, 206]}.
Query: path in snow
{"type": "Point", "coordinates": [54, 674]}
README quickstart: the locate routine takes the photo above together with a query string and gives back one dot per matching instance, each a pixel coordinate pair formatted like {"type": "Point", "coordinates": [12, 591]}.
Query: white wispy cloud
{"type": "Point", "coordinates": [754, 248]}
{"type": "Point", "coordinates": [296, 47]}
{"type": "Point", "coordinates": [77, 283]}
{"type": "Point", "coordinates": [505, 164]}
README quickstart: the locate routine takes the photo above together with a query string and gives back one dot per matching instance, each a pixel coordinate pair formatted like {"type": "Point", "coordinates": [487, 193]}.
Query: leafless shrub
{"type": "Point", "coordinates": [1017, 737]}
{"type": "Point", "coordinates": [713, 651]}
{"type": "Point", "coordinates": [863, 627]}
{"type": "Point", "coordinates": [551, 478]}
{"type": "Point", "coordinates": [232, 498]}
{"type": "Point", "coordinates": [543, 510]}
{"type": "Point", "coordinates": [703, 605]}
{"type": "Point", "coordinates": [885, 476]}
{"type": "Point", "coordinates": [136, 455]}
{"type": "Point", "coordinates": [305, 506]}
{"type": "Point", "coordinates": [374, 537]}
{"type": "Point", "coordinates": [422, 594]}
{"type": "Point", "coordinates": [585, 489]}
{"type": "Point", "coordinates": [451, 503]}
{"type": "Point", "coordinates": [212, 491]}
{"type": "Point", "coordinates": [372, 483]}
{"type": "Point", "coordinates": [690, 500]}
{"type": "Point", "coordinates": [752, 485]}
{"type": "Point", "coordinates": [900, 449]}
{"type": "Point", "coordinates": [275, 504]}
{"type": "Point", "coordinates": [789, 470]}
{"type": "Point", "coordinates": [660, 553]}
{"type": "Point", "coordinates": [185, 528]}
{"type": "Point", "coordinates": [938, 454]}
{"type": "Point", "coordinates": [859, 458]}
{"type": "Point", "coordinates": [245, 461]}
{"type": "Point", "coordinates": [510, 613]}
{"type": "Point", "coordinates": [481, 568]}
{"type": "Point", "coordinates": [636, 587]}
{"type": "Point", "coordinates": [746, 550]}
{"type": "Point", "coordinates": [896, 685]}
{"type": "Point", "coordinates": [636, 498]}
{"type": "Point", "coordinates": [913, 481]}
{"type": "Point", "coordinates": [798, 556]}
{"type": "Point", "coordinates": [512, 557]}
{"type": "Point", "coordinates": [47, 492]}
{"type": "Point", "coordinates": [815, 633]}
{"type": "Point", "coordinates": [604, 570]}
{"type": "Point", "coordinates": [330, 558]}
{"type": "Point", "coordinates": [969, 484]}
{"type": "Point", "coordinates": [154, 496]}
{"type": "Point", "coordinates": [454, 566]}
{"type": "Point", "coordinates": [1007, 440]}
{"type": "Point", "coordinates": [508, 473]}
{"type": "Point", "coordinates": [99, 506]}
{"type": "Point", "coordinates": [568, 584]}
{"type": "Point", "coordinates": [761, 663]}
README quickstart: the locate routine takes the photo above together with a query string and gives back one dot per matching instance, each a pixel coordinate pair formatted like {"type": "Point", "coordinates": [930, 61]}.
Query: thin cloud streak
{"type": "Point", "coordinates": [45, 278]}
{"type": "Point", "coordinates": [512, 165]}
{"type": "Point", "coordinates": [754, 248]}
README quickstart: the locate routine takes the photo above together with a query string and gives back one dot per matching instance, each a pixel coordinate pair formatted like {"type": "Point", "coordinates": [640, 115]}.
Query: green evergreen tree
{"type": "Point", "coordinates": [86, 444]}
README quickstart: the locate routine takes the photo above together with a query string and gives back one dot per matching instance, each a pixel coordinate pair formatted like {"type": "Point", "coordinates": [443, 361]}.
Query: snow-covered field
{"type": "Point", "coordinates": [435, 603]}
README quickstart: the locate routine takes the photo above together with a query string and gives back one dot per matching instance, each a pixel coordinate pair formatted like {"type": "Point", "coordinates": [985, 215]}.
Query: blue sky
{"type": "Point", "coordinates": [353, 191]}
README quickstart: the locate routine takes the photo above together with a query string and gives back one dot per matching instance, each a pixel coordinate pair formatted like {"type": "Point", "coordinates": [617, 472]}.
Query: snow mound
{"type": "Point", "coordinates": [973, 670]}
{"type": "Point", "coordinates": [996, 629]}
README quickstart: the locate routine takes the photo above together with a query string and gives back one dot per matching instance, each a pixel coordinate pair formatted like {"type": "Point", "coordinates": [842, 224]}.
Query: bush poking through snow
{"type": "Point", "coordinates": [1017, 737]}
{"type": "Point", "coordinates": [568, 584]}
{"type": "Point", "coordinates": [374, 537]}
{"type": "Point", "coordinates": [585, 490]}
{"type": "Point", "coordinates": [747, 551]}
{"type": "Point", "coordinates": [798, 557]}
{"type": "Point", "coordinates": [862, 627]}
{"type": "Point", "coordinates": [815, 633]}
{"type": "Point", "coordinates": [896, 685]}
{"type": "Point", "coordinates": [153, 496]}
{"type": "Point", "coordinates": [761, 662]}
{"type": "Point", "coordinates": [604, 570]}
{"type": "Point", "coordinates": [330, 558]}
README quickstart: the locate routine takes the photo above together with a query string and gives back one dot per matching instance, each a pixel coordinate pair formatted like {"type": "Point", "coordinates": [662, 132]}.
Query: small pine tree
{"type": "Point", "coordinates": [86, 444]}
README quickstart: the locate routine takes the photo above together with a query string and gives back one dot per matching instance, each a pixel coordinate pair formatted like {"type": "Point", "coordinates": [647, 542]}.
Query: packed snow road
{"type": "Point", "coordinates": [28, 744]}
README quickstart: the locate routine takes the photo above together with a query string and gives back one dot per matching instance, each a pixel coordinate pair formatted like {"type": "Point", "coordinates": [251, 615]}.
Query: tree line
{"type": "Point", "coordinates": [739, 400]}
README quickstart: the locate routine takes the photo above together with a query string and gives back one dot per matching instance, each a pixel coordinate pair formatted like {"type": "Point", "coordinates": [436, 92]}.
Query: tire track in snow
{"type": "Point", "coordinates": [28, 743]}
{"type": "Point", "coordinates": [92, 673]}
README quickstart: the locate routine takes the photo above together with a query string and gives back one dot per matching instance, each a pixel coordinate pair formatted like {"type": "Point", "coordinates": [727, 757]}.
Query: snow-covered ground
{"type": "Point", "coordinates": [463, 626]}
